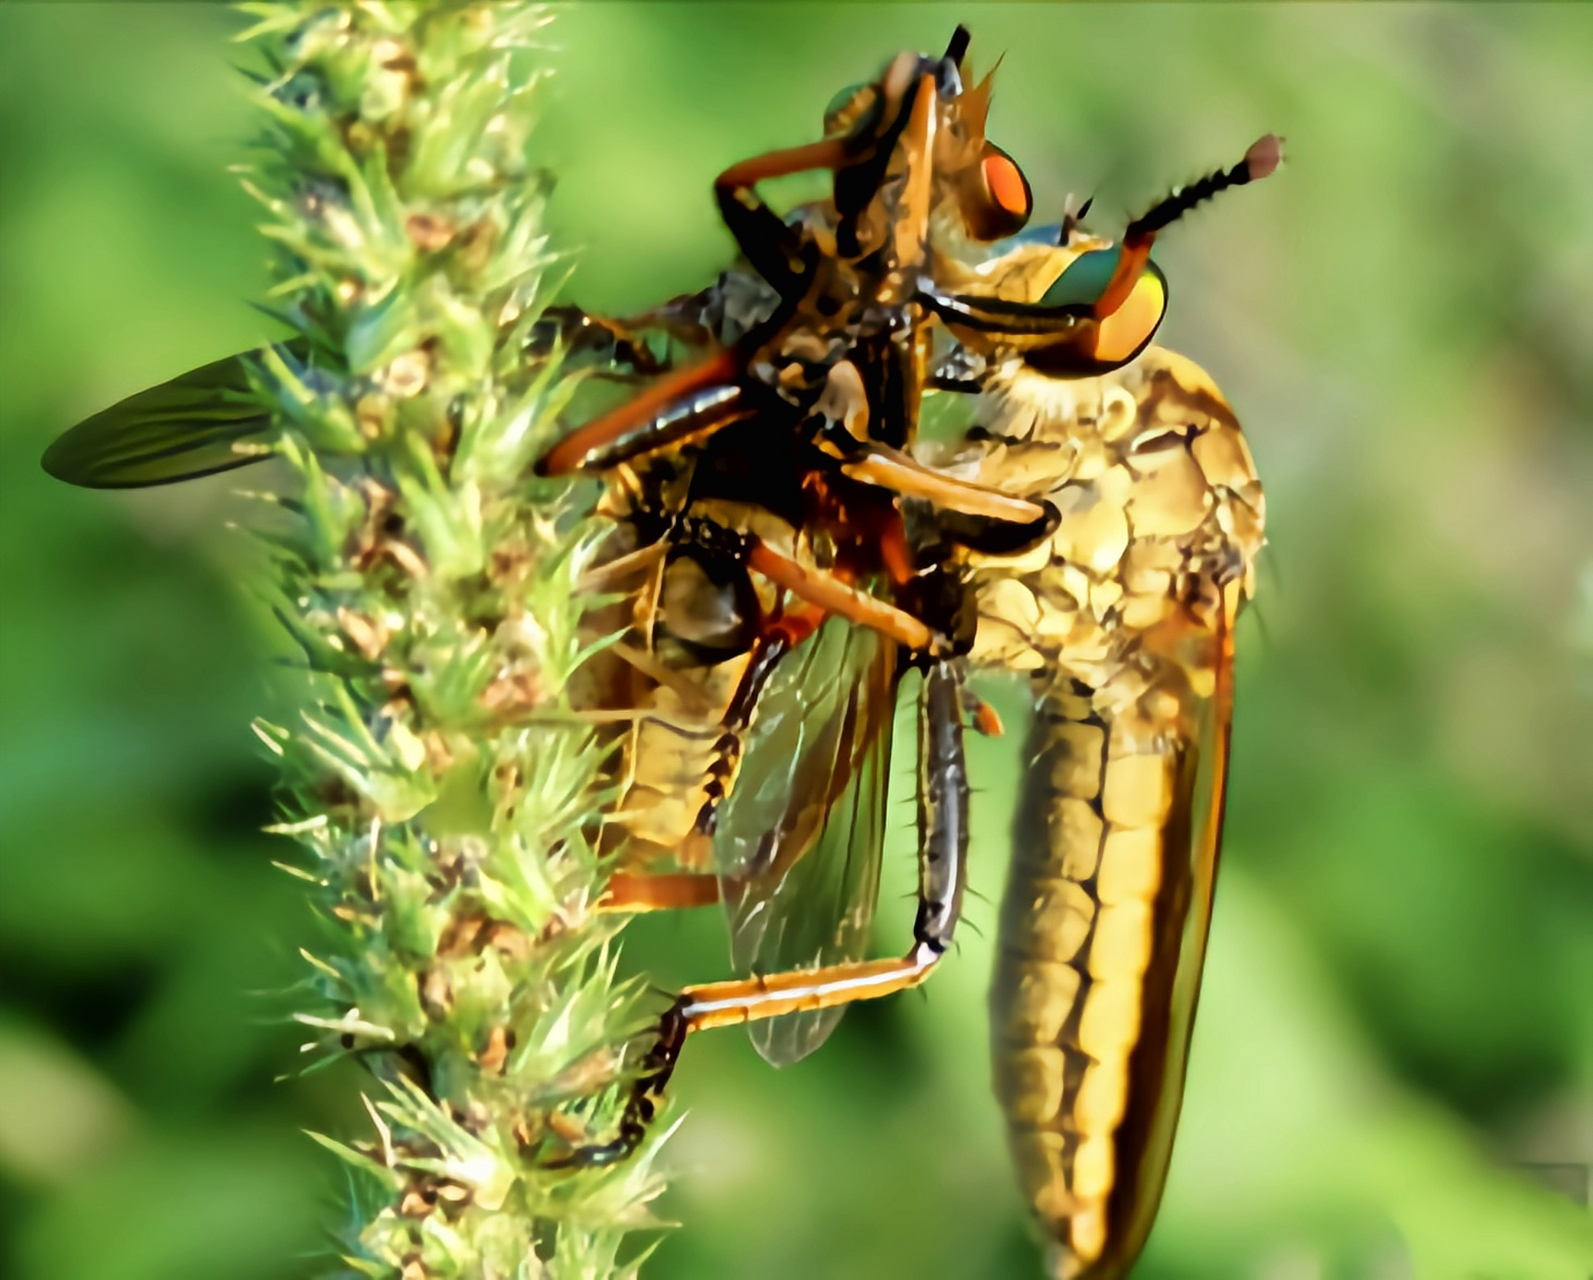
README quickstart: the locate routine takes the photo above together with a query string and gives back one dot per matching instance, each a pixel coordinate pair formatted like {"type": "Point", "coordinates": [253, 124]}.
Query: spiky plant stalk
{"type": "Point", "coordinates": [439, 775]}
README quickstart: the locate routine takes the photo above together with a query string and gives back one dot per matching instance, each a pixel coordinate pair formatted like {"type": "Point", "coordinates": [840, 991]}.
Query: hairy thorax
{"type": "Point", "coordinates": [1160, 511]}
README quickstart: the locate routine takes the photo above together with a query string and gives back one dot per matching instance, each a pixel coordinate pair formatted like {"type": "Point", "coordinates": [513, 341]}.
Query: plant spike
{"type": "Point", "coordinates": [445, 797]}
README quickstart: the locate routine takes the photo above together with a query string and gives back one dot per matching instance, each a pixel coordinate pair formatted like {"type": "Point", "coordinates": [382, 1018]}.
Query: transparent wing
{"type": "Point", "coordinates": [197, 424]}
{"type": "Point", "coordinates": [800, 835]}
{"type": "Point", "coordinates": [1194, 834]}
{"type": "Point", "coordinates": [801, 748]}
{"type": "Point", "coordinates": [1193, 844]}
{"type": "Point", "coordinates": [822, 911]}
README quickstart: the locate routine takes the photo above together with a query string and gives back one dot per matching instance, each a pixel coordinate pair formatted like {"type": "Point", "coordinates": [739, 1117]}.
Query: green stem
{"type": "Point", "coordinates": [445, 800]}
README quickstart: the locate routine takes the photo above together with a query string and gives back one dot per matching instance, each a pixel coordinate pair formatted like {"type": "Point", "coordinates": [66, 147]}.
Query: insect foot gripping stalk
{"type": "Point", "coordinates": [645, 1098]}
{"type": "Point", "coordinates": [943, 846]}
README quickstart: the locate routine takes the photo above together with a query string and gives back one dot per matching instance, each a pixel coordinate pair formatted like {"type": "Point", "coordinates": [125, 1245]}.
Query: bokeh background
{"type": "Point", "coordinates": [1393, 1072]}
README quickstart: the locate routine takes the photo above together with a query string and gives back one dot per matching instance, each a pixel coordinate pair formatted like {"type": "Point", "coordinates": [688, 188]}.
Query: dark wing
{"type": "Point", "coordinates": [799, 837]}
{"type": "Point", "coordinates": [199, 423]}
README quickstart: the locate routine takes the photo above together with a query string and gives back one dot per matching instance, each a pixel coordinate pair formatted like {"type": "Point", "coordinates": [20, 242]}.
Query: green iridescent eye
{"type": "Point", "coordinates": [1120, 334]}
{"type": "Point", "coordinates": [1084, 281]}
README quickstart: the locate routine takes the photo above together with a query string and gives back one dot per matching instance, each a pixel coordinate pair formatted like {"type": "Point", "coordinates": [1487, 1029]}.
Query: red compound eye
{"type": "Point", "coordinates": [1006, 183]}
{"type": "Point", "coordinates": [996, 203]}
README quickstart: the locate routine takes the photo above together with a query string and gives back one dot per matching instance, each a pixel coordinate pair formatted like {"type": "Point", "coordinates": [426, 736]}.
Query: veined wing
{"type": "Point", "coordinates": [800, 835]}
{"type": "Point", "coordinates": [197, 424]}
{"type": "Point", "coordinates": [1181, 923]}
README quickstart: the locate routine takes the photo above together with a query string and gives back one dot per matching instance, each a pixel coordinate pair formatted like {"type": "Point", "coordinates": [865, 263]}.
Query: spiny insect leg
{"type": "Point", "coordinates": [761, 234]}
{"type": "Point", "coordinates": [689, 402]}
{"type": "Point", "coordinates": [942, 858]}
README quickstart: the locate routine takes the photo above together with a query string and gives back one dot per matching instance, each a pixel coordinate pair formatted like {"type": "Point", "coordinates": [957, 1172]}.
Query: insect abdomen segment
{"type": "Point", "coordinates": [1082, 1005]}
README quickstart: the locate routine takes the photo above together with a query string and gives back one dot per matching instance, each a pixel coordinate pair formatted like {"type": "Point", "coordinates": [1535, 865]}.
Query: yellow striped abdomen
{"type": "Point", "coordinates": [1123, 620]}
{"type": "Point", "coordinates": [1088, 1042]}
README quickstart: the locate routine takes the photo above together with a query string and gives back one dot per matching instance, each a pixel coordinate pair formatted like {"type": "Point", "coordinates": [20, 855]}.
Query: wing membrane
{"type": "Point", "coordinates": [197, 424]}
{"type": "Point", "coordinates": [1198, 740]}
{"type": "Point", "coordinates": [800, 835]}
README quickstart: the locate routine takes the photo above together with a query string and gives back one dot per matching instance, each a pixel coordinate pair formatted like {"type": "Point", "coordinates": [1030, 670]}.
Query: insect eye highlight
{"type": "Point", "coordinates": [1006, 183]}
{"type": "Point", "coordinates": [998, 202]}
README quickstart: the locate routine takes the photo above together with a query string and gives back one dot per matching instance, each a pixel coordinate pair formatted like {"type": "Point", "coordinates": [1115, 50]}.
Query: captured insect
{"type": "Point", "coordinates": [795, 558]}
{"type": "Point", "coordinates": [789, 592]}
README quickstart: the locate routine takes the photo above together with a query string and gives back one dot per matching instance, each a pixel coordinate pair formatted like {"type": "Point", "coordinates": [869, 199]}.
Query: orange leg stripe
{"type": "Point", "coordinates": [987, 721]}
{"type": "Point", "coordinates": [665, 891]}
{"type": "Point", "coordinates": [1131, 260]}
{"type": "Point", "coordinates": [889, 469]}
{"type": "Point", "coordinates": [723, 1004]}
{"type": "Point", "coordinates": [896, 554]}
{"type": "Point", "coordinates": [833, 596]}
{"type": "Point", "coordinates": [568, 454]}
{"type": "Point", "coordinates": [777, 164]}
{"type": "Point", "coordinates": [796, 625]}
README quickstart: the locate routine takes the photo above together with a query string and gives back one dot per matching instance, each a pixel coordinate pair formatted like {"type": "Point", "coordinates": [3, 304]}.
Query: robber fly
{"type": "Point", "coordinates": [1123, 620]}
{"type": "Point", "coordinates": [1124, 616]}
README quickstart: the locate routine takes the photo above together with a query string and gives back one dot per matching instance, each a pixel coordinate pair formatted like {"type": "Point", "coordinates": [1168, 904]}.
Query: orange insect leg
{"type": "Point", "coordinates": [663, 891]}
{"type": "Point", "coordinates": [827, 154]}
{"type": "Point", "coordinates": [723, 1004]}
{"type": "Point", "coordinates": [566, 456]}
{"type": "Point", "coordinates": [832, 595]}
{"type": "Point", "coordinates": [906, 476]}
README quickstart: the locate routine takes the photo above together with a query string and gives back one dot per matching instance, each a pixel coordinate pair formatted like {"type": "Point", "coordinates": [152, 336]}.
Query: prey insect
{"type": "Point", "coordinates": [781, 507]}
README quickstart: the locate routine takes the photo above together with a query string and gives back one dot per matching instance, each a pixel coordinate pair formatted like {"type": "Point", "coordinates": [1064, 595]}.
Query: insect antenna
{"type": "Point", "coordinates": [1264, 155]}
{"type": "Point", "coordinates": [1072, 220]}
{"type": "Point", "coordinates": [957, 47]}
{"type": "Point", "coordinates": [1261, 159]}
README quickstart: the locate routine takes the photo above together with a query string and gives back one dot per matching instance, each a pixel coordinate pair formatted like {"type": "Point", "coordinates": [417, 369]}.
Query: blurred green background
{"type": "Point", "coordinates": [1393, 1072]}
